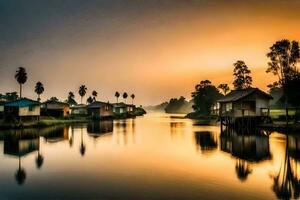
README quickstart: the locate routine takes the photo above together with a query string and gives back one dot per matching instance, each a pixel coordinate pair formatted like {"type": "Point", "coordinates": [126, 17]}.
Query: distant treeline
{"type": "Point", "coordinates": [175, 105]}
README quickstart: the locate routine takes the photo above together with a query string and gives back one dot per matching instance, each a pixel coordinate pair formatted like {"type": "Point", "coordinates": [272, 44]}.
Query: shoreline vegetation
{"type": "Point", "coordinates": [52, 121]}
{"type": "Point", "coordinates": [284, 94]}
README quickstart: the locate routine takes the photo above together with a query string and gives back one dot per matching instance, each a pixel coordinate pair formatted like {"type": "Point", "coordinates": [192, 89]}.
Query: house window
{"type": "Point", "coordinates": [31, 108]}
{"type": "Point", "coordinates": [228, 107]}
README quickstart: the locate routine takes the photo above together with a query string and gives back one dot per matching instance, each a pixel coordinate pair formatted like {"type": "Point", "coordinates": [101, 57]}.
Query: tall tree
{"type": "Point", "coordinates": [21, 77]}
{"type": "Point", "coordinates": [224, 87]}
{"type": "Point", "coordinates": [125, 95]}
{"type": "Point", "coordinates": [117, 95]}
{"type": "Point", "coordinates": [39, 89]}
{"type": "Point", "coordinates": [242, 78]}
{"type": "Point", "coordinates": [82, 91]}
{"type": "Point", "coordinates": [132, 98]}
{"type": "Point", "coordinates": [95, 94]}
{"type": "Point", "coordinates": [284, 56]}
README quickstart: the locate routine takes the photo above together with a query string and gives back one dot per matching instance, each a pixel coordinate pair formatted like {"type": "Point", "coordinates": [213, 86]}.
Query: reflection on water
{"type": "Point", "coordinates": [152, 157]}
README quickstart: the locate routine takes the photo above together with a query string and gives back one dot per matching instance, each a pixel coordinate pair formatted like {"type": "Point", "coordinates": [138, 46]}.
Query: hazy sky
{"type": "Point", "coordinates": [154, 49]}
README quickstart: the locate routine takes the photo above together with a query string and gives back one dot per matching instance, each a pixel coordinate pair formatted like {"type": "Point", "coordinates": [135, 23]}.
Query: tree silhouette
{"type": "Point", "coordinates": [71, 99]}
{"type": "Point", "coordinates": [55, 99]}
{"type": "Point", "coordinates": [224, 87]}
{"type": "Point", "coordinates": [21, 77]}
{"type": "Point", "coordinates": [132, 98]}
{"type": "Point", "coordinates": [284, 56]}
{"type": "Point", "coordinates": [82, 91]}
{"type": "Point", "coordinates": [90, 100]}
{"type": "Point", "coordinates": [95, 94]}
{"type": "Point", "coordinates": [242, 78]}
{"type": "Point", "coordinates": [204, 96]}
{"type": "Point", "coordinates": [125, 95]}
{"type": "Point", "coordinates": [117, 95]}
{"type": "Point", "coordinates": [39, 89]}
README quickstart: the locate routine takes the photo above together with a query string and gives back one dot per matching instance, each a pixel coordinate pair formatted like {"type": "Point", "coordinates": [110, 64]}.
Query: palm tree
{"type": "Point", "coordinates": [117, 95]}
{"type": "Point", "coordinates": [125, 95]}
{"type": "Point", "coordinates": [39, 89]}
{"type": "Point", "coordinates": [94, 93]}
{"type": "Point", "coordinates": [82, 91]}
{"type": "Point", "coordinates": [21, 77]}
{"type": "Point", "coordinates": [132, 97]}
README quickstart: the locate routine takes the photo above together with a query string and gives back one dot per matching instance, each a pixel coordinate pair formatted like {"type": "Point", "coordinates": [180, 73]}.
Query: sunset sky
{"type": "Point", "coordinates": [154, 49]}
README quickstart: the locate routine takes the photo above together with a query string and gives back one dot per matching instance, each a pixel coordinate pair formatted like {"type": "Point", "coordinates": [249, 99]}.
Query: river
{"type": "Point", "coordinates": [157, 156]}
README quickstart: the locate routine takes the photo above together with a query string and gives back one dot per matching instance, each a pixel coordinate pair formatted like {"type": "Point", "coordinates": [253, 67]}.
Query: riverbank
{"type": "Point", "coordinates": [201, 119]}
{"type": "Point", "coordinates": [51, 121]}
{"type": "Point", "coordinates": [43, 122]}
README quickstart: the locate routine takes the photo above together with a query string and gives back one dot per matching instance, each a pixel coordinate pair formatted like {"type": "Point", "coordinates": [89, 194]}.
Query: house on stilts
{"type": "Point", "coordinates": [244, 108]}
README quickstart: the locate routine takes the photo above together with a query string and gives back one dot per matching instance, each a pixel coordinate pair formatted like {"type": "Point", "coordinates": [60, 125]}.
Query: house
{"type": "Point", "coordinates": [100, 110]}
{"type": "Point", "coordinates": [1, 108]}
{"type": "Point", "coordinates": [22, 109]}
{"type": "Point", "coordinates": [119, 108]}
{"type": "Point", "coordinates": [245, 102]}
{"type": "Point", "coordinates": [80, 109]}
{"type": "Point", "coordinates": [130, 107]}
{"type": "Point", "coordinates": [55, 109]}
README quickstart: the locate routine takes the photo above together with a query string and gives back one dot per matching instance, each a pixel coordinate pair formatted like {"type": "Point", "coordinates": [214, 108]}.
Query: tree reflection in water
{"type": "Point", "coordinates": [248, 149]}
{"type": "Point", "coordinates": [242, 169]}
{"type": "Point", "coordinates": [39, 160]}
{"type": "Point", "coordinates": [82, 144]}
{"type": "Point", "coordinates": [287, 182]}
{"type": "Point", "coordinates": [20, 175]}
{"type": "Point", "coordinates": [206, 140]}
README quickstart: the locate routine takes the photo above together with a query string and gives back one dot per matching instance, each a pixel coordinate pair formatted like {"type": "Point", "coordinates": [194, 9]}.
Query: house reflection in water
{"type": "Point", "coordinates": [20, 144]}
{"type": "Point", "coordinates": [55, 133]}
{"type": "Point", "coordinates": [206, 141]}
{"type": "Point", "coordinates": [125, 131]}
{"type": "Point", "coordinates": [286, 183]}
{"type": "Point", "coordinates": [246, 148]}
{"type": "Point", "coordinates": [97, 128]}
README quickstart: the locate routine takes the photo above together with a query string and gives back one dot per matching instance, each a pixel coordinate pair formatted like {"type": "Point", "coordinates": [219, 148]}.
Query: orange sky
{"type": "Point", "coordinates": [155, 49]}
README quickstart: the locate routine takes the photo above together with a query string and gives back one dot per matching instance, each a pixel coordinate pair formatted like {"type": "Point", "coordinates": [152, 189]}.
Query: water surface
{"type": "Point", "coordinates": [152, 157]}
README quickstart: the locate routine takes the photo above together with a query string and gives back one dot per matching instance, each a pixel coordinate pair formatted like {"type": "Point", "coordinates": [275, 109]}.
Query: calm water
{"type": "Point", "coordinates": [152, 157]}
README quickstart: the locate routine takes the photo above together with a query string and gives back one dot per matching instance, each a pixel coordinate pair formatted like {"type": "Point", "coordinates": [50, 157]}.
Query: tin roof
{"type": "Point", "coordinates": [23, 102]}
{"type": "Point", "coordinates": [236, 95]}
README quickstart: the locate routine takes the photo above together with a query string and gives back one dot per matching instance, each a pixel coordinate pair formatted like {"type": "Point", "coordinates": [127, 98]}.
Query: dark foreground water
{"type": "Point", "coordinates": [152, 157]}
